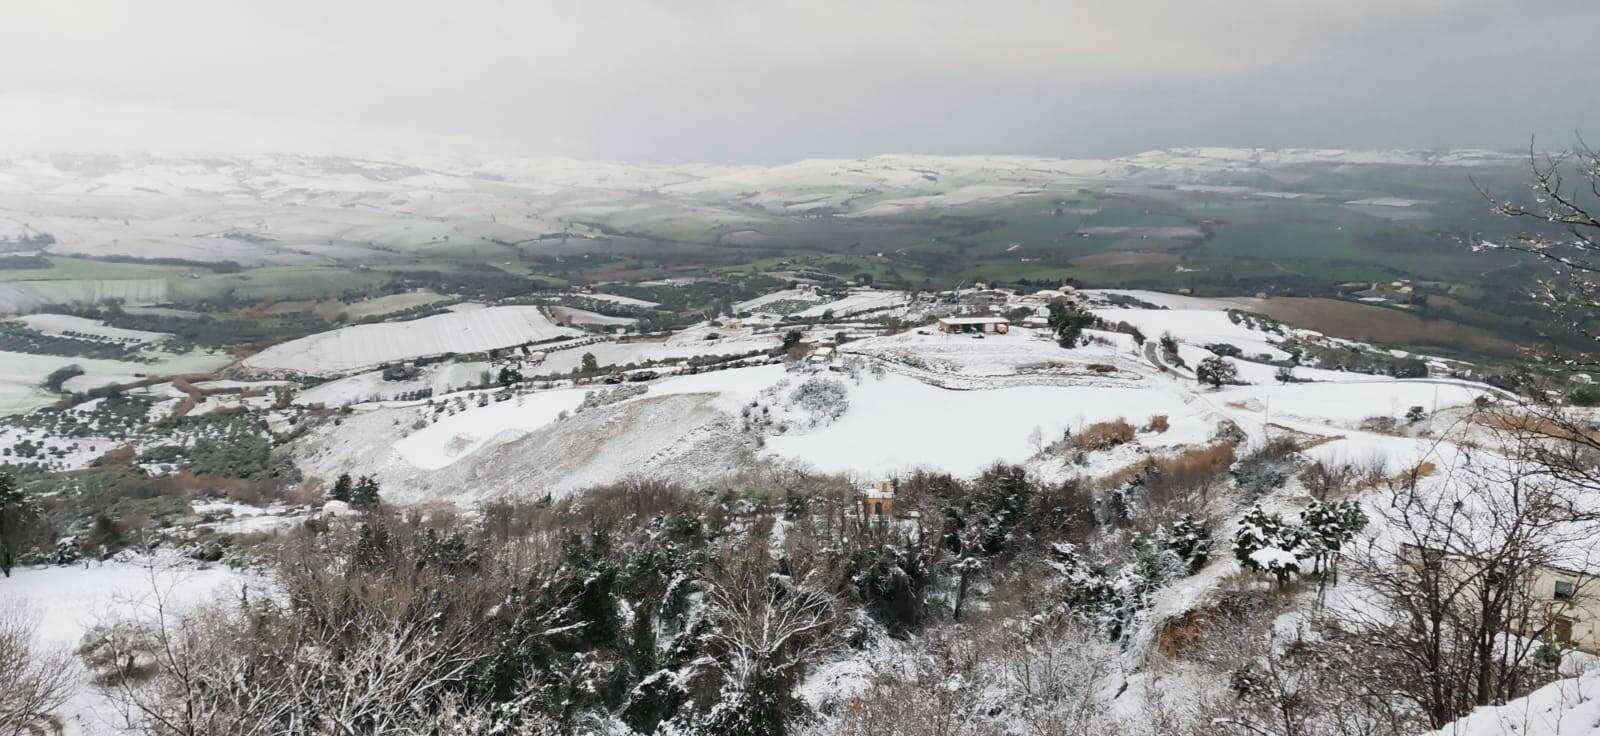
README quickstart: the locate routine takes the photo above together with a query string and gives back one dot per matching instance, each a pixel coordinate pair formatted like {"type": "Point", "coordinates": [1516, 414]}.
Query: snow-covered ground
{"type": "Point", "coordinates": [899, 424]}
{"type": "Point", "coordinates": [1567, 707]}
{"type": "Point", "coordinates": [362, 347]}
{"type": "Point", "coordinates": [68, 601]}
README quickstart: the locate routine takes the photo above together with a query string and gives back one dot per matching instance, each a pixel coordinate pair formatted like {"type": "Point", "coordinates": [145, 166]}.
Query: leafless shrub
{"type": "Point", "coordinates": [34, 682]}
{"type": "Point", "coordinates": [1104, 435]}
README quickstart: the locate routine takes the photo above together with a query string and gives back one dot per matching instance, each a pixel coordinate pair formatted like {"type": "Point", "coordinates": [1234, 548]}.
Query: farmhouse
{"type": "Point", "coordinates": [1567, 607]}
{"type": "Point", "coordinates": [974, 324]}
{"type": "Point", "coordinates": [1557, 604]}
{"type": "Point", "coordinates": [877, 499]}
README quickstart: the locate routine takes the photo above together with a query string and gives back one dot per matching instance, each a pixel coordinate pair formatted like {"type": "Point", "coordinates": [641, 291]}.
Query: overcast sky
{"type": "Point", "coordinates": [760, 81]}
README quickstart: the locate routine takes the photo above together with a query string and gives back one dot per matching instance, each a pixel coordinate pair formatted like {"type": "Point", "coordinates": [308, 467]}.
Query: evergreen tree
{"type": "Point", "coordinates": [1190, 540]}
{"type": "Point", "coordinates": [372, 544]}
{"type": "Point", "coordinates": [17, 514]}
{"type": "Point", "coordinates": [341, 489]}
{"type": "Point", "coordinates": [1328, 528]}
{"type": "Point", "coordinates": [1169, 344]}
{"type": "Point", "coordinates": [365, 494]}
{"type": "Point", "coordinates": [1068, 322]}
{"type": "Point", "coordinates": [1265, 543]}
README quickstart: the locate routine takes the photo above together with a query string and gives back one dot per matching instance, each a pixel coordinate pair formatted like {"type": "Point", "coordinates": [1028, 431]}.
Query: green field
{"type": "Point", "coordinates": [66, 268]}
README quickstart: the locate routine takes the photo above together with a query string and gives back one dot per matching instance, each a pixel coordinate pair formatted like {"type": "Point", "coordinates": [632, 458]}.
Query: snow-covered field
{"type": "Point", "coordinates": [858, 302]}
{"type": "Point", "coordinates": [1567, 707]}
{"type": "Point", "coordinates": [626, 301]}
{"type": "Point", "coordinates": [382, 305]}
{"type": "Point", "coordinates": [454, 437]}
{"type": "Point", "coordinates": [785, 295]}
{"type": "Point", "coordinates": [696, 341]}
{"type": "Point", "coordinates": [370, 386]}
{"type": "Point", "coordinates": [22, 373]}
{"type": "Point", "coordinates": [23, 296]}
{"type": "Point", "coordinates": [362, 347]}
{"type": "Point", "coordinates": [899, 424]}
{"type": "Point", "coordinates": [573, 315]}
{"type": "Point", "coordinates": [1196, 327]}
{"type": "Point", "coordinates": [62, 324]}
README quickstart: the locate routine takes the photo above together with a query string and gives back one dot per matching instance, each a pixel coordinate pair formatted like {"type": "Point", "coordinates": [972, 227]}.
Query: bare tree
{"type": "Point", "coordinates": [1567, 239]}
{"type": "Point", "coordinates": [768, 628]}
{"type": "Point", "coordinates": [34, 683]}
{"type": "Point", "coordinates": [1455, 617]}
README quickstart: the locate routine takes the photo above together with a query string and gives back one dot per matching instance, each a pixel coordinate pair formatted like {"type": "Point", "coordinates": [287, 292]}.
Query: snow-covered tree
{"type": "Point", "coordinates": [1189, 539]}
{"type": "Point", "coordinates": [1217, 371]}
{"type": "Point", "coordinates": [1266, 543]}
{"type": "Point", "coordinates": [1328, 527]}
{"type": "Point", "coordinates": [1068, 321]}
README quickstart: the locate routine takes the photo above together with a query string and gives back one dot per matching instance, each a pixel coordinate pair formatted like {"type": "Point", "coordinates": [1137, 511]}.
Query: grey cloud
{"type": "Point", "coordinates": [769, 81]}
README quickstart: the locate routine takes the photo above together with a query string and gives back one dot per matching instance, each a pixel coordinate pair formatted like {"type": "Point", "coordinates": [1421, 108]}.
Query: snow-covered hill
{"type": "Point", "coordinates": [914, 400]}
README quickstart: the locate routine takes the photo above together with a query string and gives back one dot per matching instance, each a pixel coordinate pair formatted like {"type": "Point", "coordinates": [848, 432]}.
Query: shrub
{"type": "Point", "coordinates": [1104, 435]}
{"type": "Point", "coordinates": [1410, 368]}
{"type": "Point", "coordinates": [1157, 424]}
{"type": "Point", "coordinates": [61, 375]}
{"type": "Point", "coordinates": [822, 397]}
{"type": "Point", "coordinates": [1586, 395]}
{"type": "Point", "coordinates": [1267, 468]}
